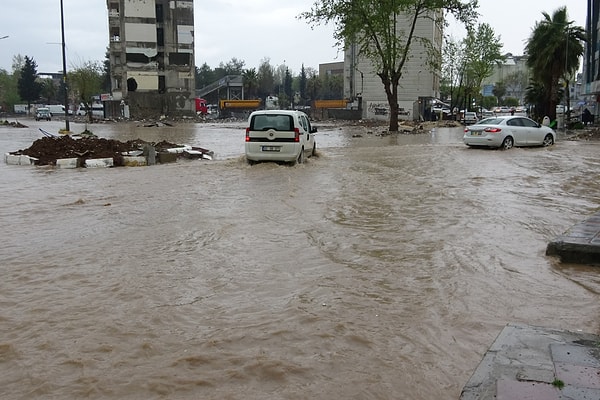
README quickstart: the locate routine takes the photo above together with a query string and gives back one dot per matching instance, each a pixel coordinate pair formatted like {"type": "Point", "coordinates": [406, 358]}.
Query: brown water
{"type": "Point", "coordinates": [381, 269]}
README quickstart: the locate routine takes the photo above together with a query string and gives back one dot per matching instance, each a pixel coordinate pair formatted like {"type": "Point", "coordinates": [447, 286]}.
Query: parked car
{"type": "Point", "coordinates": [487, 114]}
{"type": "Point", "coordinates": [508, 131]}
{"type": "Point", "coordinates": [43, 113]}
{"type": "Point", "coordinates": [469, 118]}
{"type": "Point", "coordinates": [279, 135]}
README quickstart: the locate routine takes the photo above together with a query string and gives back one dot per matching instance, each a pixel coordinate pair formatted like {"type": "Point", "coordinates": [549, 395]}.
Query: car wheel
{"type": "Point", "coordinates": [507, 143]}
{"type": "Point", "coordinates": [548, 140]}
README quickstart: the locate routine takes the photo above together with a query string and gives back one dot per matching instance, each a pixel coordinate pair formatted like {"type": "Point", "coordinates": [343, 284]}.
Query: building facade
{"type": "Point", "coordinates": [152, 56]}
{"type": "Point", "coordinates": [513, 73]}
{"type": "Point", "coordinates": [591, 61]}
{"type": "Point", "coordinates": [418, 86]}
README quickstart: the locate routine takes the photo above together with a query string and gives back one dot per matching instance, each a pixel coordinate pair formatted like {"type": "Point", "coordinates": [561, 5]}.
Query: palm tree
{"type": "Point", "coordinates": [250, 81]}
{"type": "Point", "coordinates": [554, 50]}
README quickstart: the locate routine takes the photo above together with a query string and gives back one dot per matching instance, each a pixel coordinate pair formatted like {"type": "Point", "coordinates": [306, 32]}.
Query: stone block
{"type": "Point", "coordinates": [99, 163]}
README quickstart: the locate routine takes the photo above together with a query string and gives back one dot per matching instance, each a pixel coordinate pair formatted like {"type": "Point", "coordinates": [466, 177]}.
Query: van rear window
{"type": "Point", "coordinates": [264, 122]}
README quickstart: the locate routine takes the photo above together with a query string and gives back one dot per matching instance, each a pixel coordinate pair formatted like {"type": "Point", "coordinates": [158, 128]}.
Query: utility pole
{"type": "Point", "coordinates": [64, 62]}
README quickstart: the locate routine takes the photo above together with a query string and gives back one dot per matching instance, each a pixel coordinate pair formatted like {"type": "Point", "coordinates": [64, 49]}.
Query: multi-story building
{"type": "Point", "coordinates": [591, 60]}
{"type": "Point", "coordinates": [152, 56]}
{"type": "Point", "coordinates": [513, 73]}
{"type": "Point", "coordinates": [418, 87]}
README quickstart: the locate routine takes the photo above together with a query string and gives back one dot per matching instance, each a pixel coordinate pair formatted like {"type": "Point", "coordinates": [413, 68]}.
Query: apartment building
{"type": "Point", "coordinates": [418, 87]}
{"type": "Point", "coordinates": [152, 56]}
{"type": "Point", "coordinates": [591, 59]}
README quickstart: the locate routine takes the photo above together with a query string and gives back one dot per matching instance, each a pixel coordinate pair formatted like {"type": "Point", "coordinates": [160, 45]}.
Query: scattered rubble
{"type": "Point", "coordinates": [15, 124]}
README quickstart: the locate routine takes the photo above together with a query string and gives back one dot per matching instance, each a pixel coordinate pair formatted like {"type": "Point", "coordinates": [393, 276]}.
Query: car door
{"type": "Point", "coordinates": [305, 129]}
{"type": "Point", "coordinates": [518, 131]}
{"type": "Point", "coordinates": [534, 135]}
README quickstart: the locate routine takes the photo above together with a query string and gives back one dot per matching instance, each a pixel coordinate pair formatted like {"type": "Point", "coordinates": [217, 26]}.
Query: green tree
{"type": "Point", "coordinates": [384, 32]}
{"type": "Point", "coordinates": [499, 91]}
{"type": "Point", "coordinates": [554, 48]}
{"type": "Point", "coordinates": [287, 83]}
{"type": "Point", "coordinates": [489, 102]}
{"type": "Point", "coordinates": [233, 67]}
{"type": "Point", "coordinates": [29, 87]}
{"type": "Point", "coordinates": [9, 94]}
{"type": "Point", "coordinates": [204, 76]}
{"type": "Point", "coordinates": [482, 54]}
{"type": "Point", "coordinates": [302, 82]}
{"type": "Point", "coordinates": [48, 91]}
{"type": "Point", "coordinates": [266, 78]}
{"type": "Point", "coordinates": [535, 96]}
{"type": "Point", "coordinates": [86, 82]}
{"type": "Point", "coordinates": [452, 67]}
{"type": "Point", "coordinates": [250, 81]}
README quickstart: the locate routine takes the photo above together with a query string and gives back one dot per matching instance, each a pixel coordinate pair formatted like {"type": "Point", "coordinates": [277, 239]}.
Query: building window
{"type": "Point", "coordinates": [160, 36]}
{"type": "Point", "coordinates": [179, 59]}
{"type": "Point", "coordinates": [160, 18]}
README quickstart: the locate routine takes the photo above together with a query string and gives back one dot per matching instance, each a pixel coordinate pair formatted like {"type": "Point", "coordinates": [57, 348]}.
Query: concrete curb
{"type": "Point", "coordinates": [580, 244]}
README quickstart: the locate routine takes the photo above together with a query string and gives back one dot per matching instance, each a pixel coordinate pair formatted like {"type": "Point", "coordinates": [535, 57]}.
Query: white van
{"type": "Point", "coordinates": [97, 110]}
{"type": "Point", "coordinates": [56, 110]}
{"type": "Point", "coordinates": [279, 135]}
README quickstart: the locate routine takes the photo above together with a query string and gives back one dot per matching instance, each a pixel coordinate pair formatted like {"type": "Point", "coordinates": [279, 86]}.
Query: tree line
{"type": "Point", "coordinates": [25, 85]}
{"type": "Point", "coordinates": [270, 80]}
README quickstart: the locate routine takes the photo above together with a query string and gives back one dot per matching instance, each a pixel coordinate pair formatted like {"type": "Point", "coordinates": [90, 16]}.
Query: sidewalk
{"type": "Point", "coordinates": [580, 244]}
{"type": "Point", "coordinates": [534, 363]}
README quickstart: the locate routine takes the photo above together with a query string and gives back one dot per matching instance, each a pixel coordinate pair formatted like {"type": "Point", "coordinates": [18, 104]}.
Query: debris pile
{"type": "Point", "coordinates": [49, 149]}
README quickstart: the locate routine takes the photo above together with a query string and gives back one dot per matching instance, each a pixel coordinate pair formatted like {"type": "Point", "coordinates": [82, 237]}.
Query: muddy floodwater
{"type": "Point", "coordinates": [382, 269]}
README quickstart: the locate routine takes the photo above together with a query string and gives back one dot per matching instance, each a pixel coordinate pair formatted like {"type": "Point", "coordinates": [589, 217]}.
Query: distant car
{"type": "Point", "coordinates": [469, 118]}
{"type": "Point", "coordinates": [279, 135]}
{"type": "Point", "coordinates": [508, 131]}
{"type": "Point", "coordinates": [43, 113]}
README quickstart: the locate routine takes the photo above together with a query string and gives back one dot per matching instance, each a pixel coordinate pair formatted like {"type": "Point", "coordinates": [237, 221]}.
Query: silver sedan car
{"type": "Point", "coordinates": [508, 131]}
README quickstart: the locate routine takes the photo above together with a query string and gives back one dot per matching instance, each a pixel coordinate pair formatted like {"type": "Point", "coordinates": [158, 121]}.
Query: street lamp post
{"type": "Point", "coordinates": [64, 63]}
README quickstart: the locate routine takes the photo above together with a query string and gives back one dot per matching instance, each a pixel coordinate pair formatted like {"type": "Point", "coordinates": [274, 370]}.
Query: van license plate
{"type": "Point", "coordinates": [271, 148]}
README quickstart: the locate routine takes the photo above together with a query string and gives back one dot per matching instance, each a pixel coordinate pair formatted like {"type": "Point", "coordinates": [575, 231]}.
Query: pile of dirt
{"type": "Point", "coordinates": [47, 150]}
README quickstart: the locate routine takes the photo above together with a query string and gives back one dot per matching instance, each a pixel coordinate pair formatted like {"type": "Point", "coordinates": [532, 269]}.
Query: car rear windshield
{"type": "Point", "coordinates": [490, 121]}
{"type": "Point", "coordinates": [264, 122]}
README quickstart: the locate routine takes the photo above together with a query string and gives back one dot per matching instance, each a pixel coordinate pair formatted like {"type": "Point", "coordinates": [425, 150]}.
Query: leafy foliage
{"type": "Point", "coordinates": [554, 48]}
{"type": "Point", "coordinates": [86, 81]}
{"type": "Point", "coordinates": [29, 87]}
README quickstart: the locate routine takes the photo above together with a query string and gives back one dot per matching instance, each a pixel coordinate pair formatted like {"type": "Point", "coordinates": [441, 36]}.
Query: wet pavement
{"type": "Point", "coordinates": [528, 362]}
{"type": "Point", "coordinates": [535, 363]}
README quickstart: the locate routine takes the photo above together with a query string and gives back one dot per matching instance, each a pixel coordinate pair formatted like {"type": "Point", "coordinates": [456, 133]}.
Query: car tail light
{"type": "Point", "coordinates": [247, 134]}
{"type": "Point", "coordinates": [493, 130]}
{"type": "Point", "coordinates": [297, 135]}
{"type": "Point", "coordinates": [466, 130]}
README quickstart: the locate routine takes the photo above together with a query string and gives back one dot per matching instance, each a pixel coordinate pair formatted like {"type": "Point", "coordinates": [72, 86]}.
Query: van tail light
{"type": "Point", "coordinates": [493, 130]}
{"type": "Point", "coordinates": [297, 135]}
{"type": "Point", "coordinates": [248, 134]}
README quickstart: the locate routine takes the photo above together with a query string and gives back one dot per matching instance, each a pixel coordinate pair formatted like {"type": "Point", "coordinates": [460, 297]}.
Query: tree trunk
{"type": "Point", "coordinates": [391, 92]}
{"type": "Point", "coordinates": [393, 103]}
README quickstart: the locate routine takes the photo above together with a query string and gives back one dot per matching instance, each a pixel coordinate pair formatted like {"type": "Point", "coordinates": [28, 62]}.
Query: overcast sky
{"type": "Point", "coordinates": [249, 30]}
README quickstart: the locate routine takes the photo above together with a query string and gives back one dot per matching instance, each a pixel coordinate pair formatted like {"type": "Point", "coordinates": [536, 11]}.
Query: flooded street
{"type": "Point", "coordinates": [381, 269]}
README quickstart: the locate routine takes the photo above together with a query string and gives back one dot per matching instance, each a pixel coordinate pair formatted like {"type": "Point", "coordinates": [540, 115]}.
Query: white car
{"type": "Point", "coordinates": [508, 131]}
{"type": "Point", "coordinates": [469, 118]}
{"type": "Point", "coordinates": [279, 135]}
